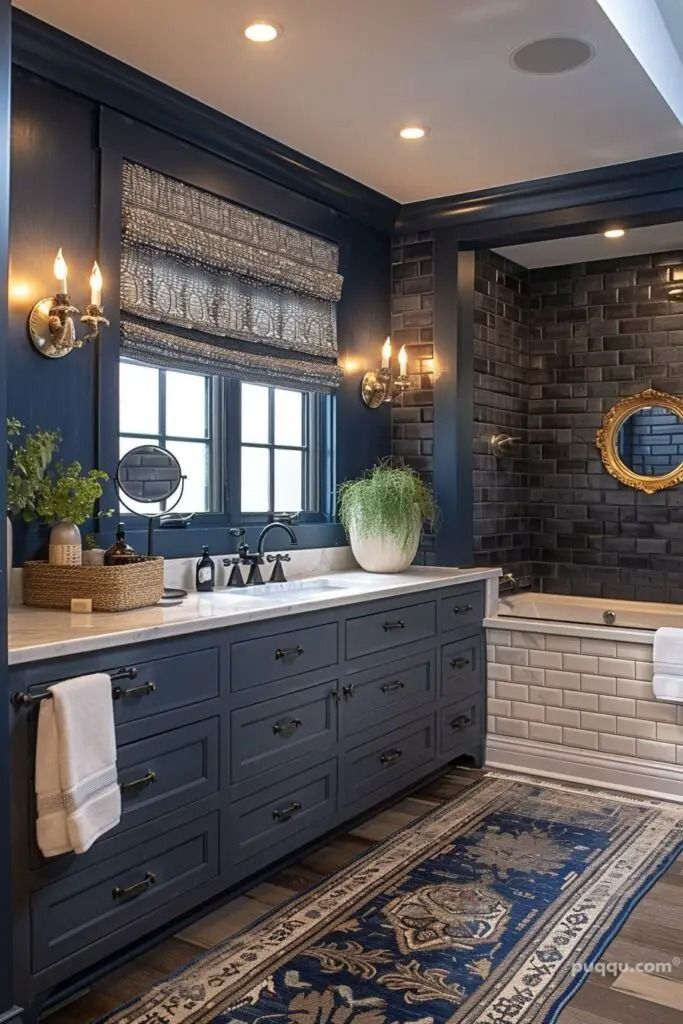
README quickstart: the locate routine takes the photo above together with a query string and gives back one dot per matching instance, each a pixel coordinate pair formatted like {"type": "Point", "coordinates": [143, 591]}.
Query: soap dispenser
{"type": "Point", "coordinates": [206, 572]}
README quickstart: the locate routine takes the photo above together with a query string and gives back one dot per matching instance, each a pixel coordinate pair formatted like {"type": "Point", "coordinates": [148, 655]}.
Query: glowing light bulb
{"type": "Point", "coordinates": [95, 286]}
{"type": "Point", "coordinates": [403, 361]}
{"type": "Point", "coordinates": [413, 132]}
{"type": "Point", "coordinates": [60, 271]}
{"type": "Point", "coordinates": [261, 32]}
{"type": "Point", "coordinates": [615, 233]}
{"type": "Point", "coordinates": [386, 354]}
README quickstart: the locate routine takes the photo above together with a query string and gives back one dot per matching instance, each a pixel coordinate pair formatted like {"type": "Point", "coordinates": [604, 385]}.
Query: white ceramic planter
{"type": "Point", "coordinates": [379, 553]}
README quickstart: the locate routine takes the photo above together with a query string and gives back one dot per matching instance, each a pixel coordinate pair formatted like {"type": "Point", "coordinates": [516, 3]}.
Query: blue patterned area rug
{"type": "Point", "coordinates": [486, 910]}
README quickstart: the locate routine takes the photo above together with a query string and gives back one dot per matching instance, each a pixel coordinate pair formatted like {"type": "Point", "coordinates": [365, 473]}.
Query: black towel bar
{"type": "Point", "coordinates": [27, 700]}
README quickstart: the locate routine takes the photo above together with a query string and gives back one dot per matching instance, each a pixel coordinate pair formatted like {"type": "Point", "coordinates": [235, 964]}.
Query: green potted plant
{"type": "Point", "coordinates": [27, 465]}
{"type": "Point", "coordinates": [383, 513]}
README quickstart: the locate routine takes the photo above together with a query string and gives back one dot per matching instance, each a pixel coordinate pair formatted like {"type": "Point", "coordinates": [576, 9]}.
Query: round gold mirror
{"type": "Point", "coordinates": [641, 441]}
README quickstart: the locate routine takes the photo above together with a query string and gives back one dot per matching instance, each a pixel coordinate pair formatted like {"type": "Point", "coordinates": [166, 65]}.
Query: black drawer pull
{"type": "Point", "coordinates": [134, 890]}
{"type": "Point", "coordinates": [461, 722]}
{"type": "Point", "coordinates": [285, 813]}
{"type": "Point", "coordinates": [458, 608]}
{"type": "Point", "coordinates": [134, 691]}
{"type": "Point", "coordinates": [287, 729]}
{"type": "Point", "coordinates": [348, 690]}
{"type": "Point", "coordinates": [459, 662]}
{"type": "Point", "coordinates": [395, 624]}
{"type": "Point", "coordinates": [391, 756]}
{"type": "Point", "coordinates": [392, 687]}
{"type": "Point", "coordinates": [145, 780]}
{"type": "Point", "coordinates": [288, 652]}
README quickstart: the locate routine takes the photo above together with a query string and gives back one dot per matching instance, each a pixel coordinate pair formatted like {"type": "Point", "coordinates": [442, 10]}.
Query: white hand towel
{"type": "Point", "coordinates": [78, 797]}
{"type": "Point", "coordinates": [667, 681]}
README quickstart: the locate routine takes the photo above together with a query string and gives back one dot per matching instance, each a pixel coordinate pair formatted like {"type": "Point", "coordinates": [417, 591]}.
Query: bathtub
{"type": "Point", "coordinates": [593, 611]}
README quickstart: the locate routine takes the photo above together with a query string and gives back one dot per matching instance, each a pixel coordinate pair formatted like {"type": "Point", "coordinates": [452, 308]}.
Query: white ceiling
{"type": "Point", "coordinates": [345, 76]}
{"type": "Point", "coordinates": [559, 252]}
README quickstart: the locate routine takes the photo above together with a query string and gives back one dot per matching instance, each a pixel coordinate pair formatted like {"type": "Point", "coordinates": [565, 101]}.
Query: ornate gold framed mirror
{"type": "Point", "coordinates": [641, 441]}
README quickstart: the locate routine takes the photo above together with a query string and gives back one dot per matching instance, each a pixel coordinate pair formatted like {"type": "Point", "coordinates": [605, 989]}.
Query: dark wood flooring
{"type": "Point", "coordinates": [653, 932]}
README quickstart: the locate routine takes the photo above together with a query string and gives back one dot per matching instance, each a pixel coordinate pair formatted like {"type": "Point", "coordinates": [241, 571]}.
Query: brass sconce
{"type": "Point", "coordinates": [379, 386]}
{"type": "Point", "coordinates": [51, 324]}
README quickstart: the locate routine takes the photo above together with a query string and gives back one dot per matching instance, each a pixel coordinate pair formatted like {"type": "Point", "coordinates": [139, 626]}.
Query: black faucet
{"type": "Point", "coordinates": [277, 575]}
{"type": "Point", "coordinates": [254, 559]}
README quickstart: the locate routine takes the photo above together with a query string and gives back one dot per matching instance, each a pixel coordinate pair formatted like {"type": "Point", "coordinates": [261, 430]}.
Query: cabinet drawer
{"type": "Point", "coordinates": [166, 684]}
{"type": "Point", "coordinates": [268, 819]}
{"type": "Point", "coordinates": [380, 695]}
{"type": "Point", "coordinates": [382, 631]}
{"type": "Point", "coordinates": [379, 765]}
{"type": "Point", "coordinates": [272, 733]}
{"type": "Point", "coordinates": [84, 908]}
{"type": "Point", "coordinates": [463, 608]}
{"type": "Point", "coordinates": [461, 725]}
{"type": "Point", "coordinates": [269, 658]}
{"type": "Point", "coordinates": [462, 667]}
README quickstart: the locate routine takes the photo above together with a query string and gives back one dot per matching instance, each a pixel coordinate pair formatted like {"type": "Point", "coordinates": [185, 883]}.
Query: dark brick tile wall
{"type": "Point", "coordinates": [600, 331]}
{"type": "Point", "coordinates": [501, 399]}
{"type": "Point", "coordinates": [412, 324]}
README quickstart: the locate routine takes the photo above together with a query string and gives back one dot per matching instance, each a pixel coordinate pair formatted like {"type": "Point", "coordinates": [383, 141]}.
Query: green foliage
{"type": "Point", "coordinates": [37, 489]}
{"type": "Point", "coordinates": [383, 501]}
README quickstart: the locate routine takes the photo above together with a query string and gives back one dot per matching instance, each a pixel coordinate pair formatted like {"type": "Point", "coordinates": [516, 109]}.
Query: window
{"type": "Point", "coordinates": [175, 411]}
{"type": "Point", "coordinates": [250, 451]}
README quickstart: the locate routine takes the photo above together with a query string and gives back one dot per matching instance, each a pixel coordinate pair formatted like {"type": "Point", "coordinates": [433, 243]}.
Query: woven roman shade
{"type": "Point", "coordinates": [209, 286]}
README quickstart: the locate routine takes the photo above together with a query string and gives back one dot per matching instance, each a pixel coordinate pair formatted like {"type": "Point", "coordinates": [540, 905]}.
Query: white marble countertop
{"type": "Point", "coordinates": [37, 634]}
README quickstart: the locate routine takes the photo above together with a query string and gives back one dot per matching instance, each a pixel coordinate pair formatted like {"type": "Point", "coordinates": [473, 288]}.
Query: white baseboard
{"type": "Point", "coordinates": [631, 774]}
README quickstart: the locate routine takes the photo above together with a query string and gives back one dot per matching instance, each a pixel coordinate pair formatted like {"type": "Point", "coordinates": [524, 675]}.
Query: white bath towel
{"type": "Point", "coordinates": [77, 793]}
{"type": "Point", "coordinates": [667, 681]}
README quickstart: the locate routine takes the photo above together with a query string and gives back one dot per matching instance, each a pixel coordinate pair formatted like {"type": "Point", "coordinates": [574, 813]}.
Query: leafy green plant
{"type": "Point", "coordinates": [383, 502]}
{"type": "Point", "coordinates": [68, 495]}
{"type": "Point", "coordinates": [28, 466]}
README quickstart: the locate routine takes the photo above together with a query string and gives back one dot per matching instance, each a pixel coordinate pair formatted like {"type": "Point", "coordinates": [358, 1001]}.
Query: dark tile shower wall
{"type": "Point", "coordinates": [501, 397]}
{"type": "Point", "coordinates": [412, 324]}
{"type": "Point", "coordinates": [600, 331]}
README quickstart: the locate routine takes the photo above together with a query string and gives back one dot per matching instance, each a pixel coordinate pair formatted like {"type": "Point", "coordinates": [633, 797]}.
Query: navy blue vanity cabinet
{"type": "Point", "coordinates": [236, 747]}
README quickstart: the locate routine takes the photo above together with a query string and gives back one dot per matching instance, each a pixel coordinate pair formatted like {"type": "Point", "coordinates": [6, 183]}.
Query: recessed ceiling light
{"type": "Point", "coordinates": [262, 32]}
{"type": "Point", "coordinates": [413, 131]}
{"type": "Point", "coordinates": [615, 233]}
{"type": "Point", "coordinates": [552, 56]}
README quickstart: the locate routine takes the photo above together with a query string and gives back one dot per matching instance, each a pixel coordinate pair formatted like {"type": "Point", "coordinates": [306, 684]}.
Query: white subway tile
{"type": "Point", "coordinates": [490, 724]}
{"type": "Point", "coordinates": [545, 659]}
{"type": "Point", "coordinates": [499, 636]}
{"type": "Point", "coordinates": [496, 671]}
{"type": "Point", "coordinates": [545, 695]}
{"type": "Point", "coordinates": [635, 652]}
{"type": "Point", "coordinates": [679, 755]}
{"type": "Point", "coordinates": [624, 706]}
{"type": "Point", "coordinates": [644, 671]}
{"type": "Point", "coordinates": [532, 641]}
{"type": "Point", "coordinates": [570, 644]}
{"type": "Point", "coordinates": [617, 667]}
{"type": "Point", "coordinates": [511, 691]}
{"type": "Point", "coordinates": [636, 727]}
{"type": "Point", "coordinates": [563, 716]}
{"type": "Point", "coordinates": [637, 688]}
{"type": "Point", "coordinates": [617, 744]}
{"type": "Point", "coordinates": [579, 663]}
{"type": "Point", "coordinates": [656, 711]}
{"type": "Point", "coordinates": [580, 738]}
{"type": "Point", "coordinates": [512, 656]}
{"type": "Point", "coordinates": [545, 733]}
{"type": "Point", "coordinates": [499, 707]}
{"type": "Point", "coordinates": [668, 733]}
{"type": "Point", "coordinates": [656, 751]}
{"type": "Point", "coordinates": [490, 652]}
{"type": "Point", "coordinates": [565, 680]}
{"type": "Point", "coordinates": [512, 727]}
{"type": "Point", "coordinates": [679, 714]}
{"type": "Point", "coordinates": [529, 712]}
{"type": "Point", "coordinates": [603, 648]}
{"type": "Point", "coordinates": [598, 684]}
{"type": "Point", "coordinates": [523, 674]}
{"type": "Point", "coordinates": [491, 687]}
{"type": "Point", "coordinates": [600, 723]}
{"type": "Point", "coordinates": [582, 701]}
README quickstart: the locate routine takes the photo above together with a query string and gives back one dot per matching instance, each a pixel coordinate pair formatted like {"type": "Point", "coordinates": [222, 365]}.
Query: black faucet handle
{"type": "Point", "coordinates": [279, 558]}
{"type": "Point", "coordinates": [232, 560]}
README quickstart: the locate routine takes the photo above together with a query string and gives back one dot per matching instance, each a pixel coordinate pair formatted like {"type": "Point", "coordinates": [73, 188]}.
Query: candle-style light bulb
{"type": "Point", "coordinates": [95, 286]}
{"type": "Point", "coordinates": [403, 361]}
{"type": "Point", "coordinates": [386, 354]}
{"type": "Point", "coordinates": [60, 273]}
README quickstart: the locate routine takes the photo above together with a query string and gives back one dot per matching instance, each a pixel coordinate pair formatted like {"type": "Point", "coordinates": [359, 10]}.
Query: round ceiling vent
{"type": "Point", "coordinates": [552, 56]}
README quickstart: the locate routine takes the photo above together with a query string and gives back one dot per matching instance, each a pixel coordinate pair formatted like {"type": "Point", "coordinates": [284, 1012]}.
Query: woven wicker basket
{"type": "Point", "coordinates": [112, 588]}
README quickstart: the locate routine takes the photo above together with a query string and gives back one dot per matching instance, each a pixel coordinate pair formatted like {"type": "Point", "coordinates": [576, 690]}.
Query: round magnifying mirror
{"type": "Point", "coordinates": [148, 474]}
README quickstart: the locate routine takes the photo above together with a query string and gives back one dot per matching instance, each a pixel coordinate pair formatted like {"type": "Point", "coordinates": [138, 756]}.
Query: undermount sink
{"type": "Point", "coordinates": [292, 587]}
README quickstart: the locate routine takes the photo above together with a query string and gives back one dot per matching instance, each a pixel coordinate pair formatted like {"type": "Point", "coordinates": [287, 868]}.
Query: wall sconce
{"type": "Point", "coordinates": [380, 386]}
{"type": "Point", "coordinates": [51, 324]}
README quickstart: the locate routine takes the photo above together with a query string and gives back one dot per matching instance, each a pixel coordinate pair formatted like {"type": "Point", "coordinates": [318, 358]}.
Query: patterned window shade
{"type": "Point", "coordinates": [208, 285]}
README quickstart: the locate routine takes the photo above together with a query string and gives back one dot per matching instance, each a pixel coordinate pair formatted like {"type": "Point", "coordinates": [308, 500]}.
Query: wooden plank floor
{"type": "Point", "coordinates": [653, 932]}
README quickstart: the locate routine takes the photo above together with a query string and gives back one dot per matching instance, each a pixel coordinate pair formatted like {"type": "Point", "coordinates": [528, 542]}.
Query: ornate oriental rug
{"type": "Point", "coordinates": [485, 910]}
